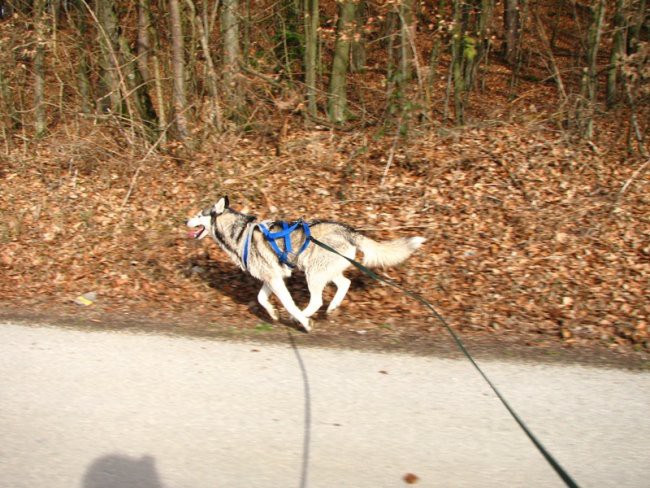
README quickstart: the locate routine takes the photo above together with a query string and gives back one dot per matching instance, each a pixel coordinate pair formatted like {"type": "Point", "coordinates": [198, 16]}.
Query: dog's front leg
{"type": "Point", "coordinates": [263, 298]}
{"type": "Point", "coordinates": [281, 291]}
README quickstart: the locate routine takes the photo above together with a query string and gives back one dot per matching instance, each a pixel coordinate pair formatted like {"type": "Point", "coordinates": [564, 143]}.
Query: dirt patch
{"type": "Point", "coordinates": [330, 333]}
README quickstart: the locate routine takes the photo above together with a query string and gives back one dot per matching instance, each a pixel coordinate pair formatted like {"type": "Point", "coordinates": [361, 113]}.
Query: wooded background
{"type": "Point", "coordinates": [511, 134]}
{"type": "Point", "coordinates": [186, 70]}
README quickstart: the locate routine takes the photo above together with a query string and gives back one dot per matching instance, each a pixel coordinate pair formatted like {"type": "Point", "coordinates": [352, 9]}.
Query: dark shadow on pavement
{"type": "Point", "coordinates": [304, 472]}
{"type": "Point", "coordinates": [120, 471]}
{"type": "Point", "coordinates": [228, 279]}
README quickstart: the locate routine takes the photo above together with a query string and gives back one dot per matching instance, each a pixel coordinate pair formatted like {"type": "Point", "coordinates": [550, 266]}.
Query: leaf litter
{"type": "Point", "coordinates": [528, 235]}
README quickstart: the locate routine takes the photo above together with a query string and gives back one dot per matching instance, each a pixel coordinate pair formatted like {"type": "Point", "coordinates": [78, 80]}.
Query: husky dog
{"type": "Point", "coordinates": [241, 237]}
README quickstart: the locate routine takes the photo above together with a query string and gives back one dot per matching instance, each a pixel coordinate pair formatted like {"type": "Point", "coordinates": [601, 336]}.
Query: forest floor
{"type": "Point", "coordinates": [533, 239]}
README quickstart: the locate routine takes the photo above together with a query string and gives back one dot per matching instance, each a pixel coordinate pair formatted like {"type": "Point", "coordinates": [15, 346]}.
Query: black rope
{"type": "Point", "coordinates": [547, 455]}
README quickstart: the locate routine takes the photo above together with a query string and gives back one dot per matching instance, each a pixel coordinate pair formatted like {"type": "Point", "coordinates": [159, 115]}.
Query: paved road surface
{"type": "Point", "coordinates": [121, 410]}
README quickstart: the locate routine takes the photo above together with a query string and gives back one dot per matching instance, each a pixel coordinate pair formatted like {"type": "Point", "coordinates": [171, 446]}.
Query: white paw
{"type": "Point", "coordinates": [305, 325]}
{"type": "Point", "coordinates": [308, 313]}
{"type": "Point", "coordinates": [330, 310]}
{"type": "Point", "coordinates": [304, 321]}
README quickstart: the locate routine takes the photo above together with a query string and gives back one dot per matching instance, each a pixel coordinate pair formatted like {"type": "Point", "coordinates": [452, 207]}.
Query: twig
{"type": "Point", "coordinates": [627, 184]}
{"type": "Point", "coordinates": [513, 179]}
{"type": "Point", "coordinates": [391, 154]}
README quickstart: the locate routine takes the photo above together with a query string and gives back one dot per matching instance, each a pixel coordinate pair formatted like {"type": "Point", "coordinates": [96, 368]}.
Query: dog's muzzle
{"type": "Point", "coordinates": [196, 232]}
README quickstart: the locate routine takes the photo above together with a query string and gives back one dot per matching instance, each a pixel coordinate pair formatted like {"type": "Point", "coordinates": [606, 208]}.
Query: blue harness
{"type": "Point", "coordinates": [271, 237]}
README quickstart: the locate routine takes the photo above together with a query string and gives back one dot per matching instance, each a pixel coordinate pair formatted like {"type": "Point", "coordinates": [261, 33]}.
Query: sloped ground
{"type": "Point", "coordinates": [532, 238]}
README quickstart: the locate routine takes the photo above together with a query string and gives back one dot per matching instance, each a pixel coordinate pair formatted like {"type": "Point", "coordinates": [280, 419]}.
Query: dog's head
{"type": "Point", "coordinates": [201, 224]}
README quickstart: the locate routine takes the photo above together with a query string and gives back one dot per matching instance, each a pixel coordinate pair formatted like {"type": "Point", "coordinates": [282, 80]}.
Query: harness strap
{"type": "Point", "coordinates": [307, 231]}
{"type": "Point", "coordinates": [271, 238]}
{"type": "Point", "coordinates": [247, 243]}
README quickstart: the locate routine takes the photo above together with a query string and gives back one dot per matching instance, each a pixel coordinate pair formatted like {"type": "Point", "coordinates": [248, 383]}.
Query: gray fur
{"type": "Point", "coordinates": [230, 229]}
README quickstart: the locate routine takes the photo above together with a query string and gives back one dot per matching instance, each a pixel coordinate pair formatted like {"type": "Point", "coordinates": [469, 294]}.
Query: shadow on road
{"type": "Point", "coordinates": [307, 423]}
{"type": "Point", "coordinates": [120, 471]}
{"type": "Point", "coordinates": [226, 278]}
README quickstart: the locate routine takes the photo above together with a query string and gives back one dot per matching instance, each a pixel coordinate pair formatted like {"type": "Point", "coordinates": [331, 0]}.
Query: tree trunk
{"type": "Point", "coordinates": [337, 104]}
{"type": "Point", "coordinates": [457, 62]}
{"type": "Point", "coordinates": [553, 66]}
{"type": "Point", "coordinates": [593, 43]}
{"type": "Point", "coordinates": [110, 99]}
{"type": "Point", "coordinates": [178, 71]}
{"type": "Point", "coordinates": [136, 94]}
{"type": "Point", "coordinates": [358, 48]}
{"type": "Point", "coordinates": [486, 9]}
{"type": "Point", "coordinates": [7, 111]}
{"type": "Point", "coordinates": [231, 53]}
{"type": "Point", "coordinates": [76, 17]}
{"type": "Point", "coordinates": [407, 40]}
{"type": "Point", "coordinates": [636, 27]}
{"type": "Point", "coordinates": [618, 50]}
{"type": "Point", "coordinates": [312, 23]}
{"type": "Point", "coordinates": [144, 43]}
{"type": "Point", "coordinates": [512, 25]}
{"type": "Point", "coordinates": [201, 23]}
{"type": "Point", "coordinates": [40, 22]}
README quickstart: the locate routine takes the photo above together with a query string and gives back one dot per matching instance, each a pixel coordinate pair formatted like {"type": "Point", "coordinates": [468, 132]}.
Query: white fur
{"type": "Point", "coordinates": [320, 266]}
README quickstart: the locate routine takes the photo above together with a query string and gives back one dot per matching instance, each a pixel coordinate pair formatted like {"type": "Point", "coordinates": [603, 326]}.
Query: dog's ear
{"type": "Point", "coordinates": [221, 206]}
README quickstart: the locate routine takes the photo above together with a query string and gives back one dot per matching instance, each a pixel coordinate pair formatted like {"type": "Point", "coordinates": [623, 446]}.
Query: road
{"type": "Point", "coordinates": [104, 409]}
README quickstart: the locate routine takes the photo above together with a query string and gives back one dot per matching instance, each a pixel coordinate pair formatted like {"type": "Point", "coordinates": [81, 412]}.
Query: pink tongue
{"type": "Point", "coordinates": [196, 232]}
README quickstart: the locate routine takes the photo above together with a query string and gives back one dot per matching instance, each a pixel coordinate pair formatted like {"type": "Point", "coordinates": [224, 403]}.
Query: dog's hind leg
{"type": "Point", "coordinates": [280, 289]}
{"type": "Point", "coordinates": [316, 284]}
{"type": "Point", "coordinates": [263, 298]}
{"type": "Point", "coordinates": [342, 286]}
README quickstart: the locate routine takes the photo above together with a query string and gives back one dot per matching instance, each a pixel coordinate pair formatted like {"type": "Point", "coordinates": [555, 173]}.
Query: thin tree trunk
{"type": "Point", "coordinates": [136, 88]}
{"type": "Point", "coordinates": [618, 49]}
{"type": "Point", "coordinates": [337, 104]}
{"type": "Point", "coordinates": [593, 43]}
{"type": "Point", "coordinates": [457, 62]}
{"type": "Point", "coordinates": [161, 109]}
{"type": "Point", "coordinates": [76, 15]}
{"type": "Point", "coordinates": [512, 24]}
{"type": "Point", "coordinates": [634, 122]}
{"type": "Point", "coordinates": [40, 19]}
{"type": "Point", "coordinates": [7, 111]}
{"type": "Point", "coordinates": [312, 23]}
{"type": "Point", "coordinates": [144, 42]}
{"type": "Point", "coordinates": [407, 37]}
{"type": "Point", "coordinates": [517, 58]}
{"type": "Point", "coordinates": [358, 48]}
{"type": "Point", "coordinates": [483, 31]}
{"type": "Point", "coordinates": [245, 42]}
{"type": "Point", "coordinates": [231, 53]}
{"type": "Point", "coordinates": [551, 57]}
{"type": "Point", "coordinates": [636, 26]}
{"type": "Point", "coordinates": [392, 20]}
{"type": "Point", "coordinates": [178, 71]}
{"type": "Point", "coordinates": [211, 74]}
{"type": "Point", "coordinates": [110, 97]}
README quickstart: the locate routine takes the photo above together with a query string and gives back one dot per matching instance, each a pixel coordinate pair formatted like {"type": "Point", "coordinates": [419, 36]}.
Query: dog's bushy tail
{"type": "Point", "coordinates": [387, 253]}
